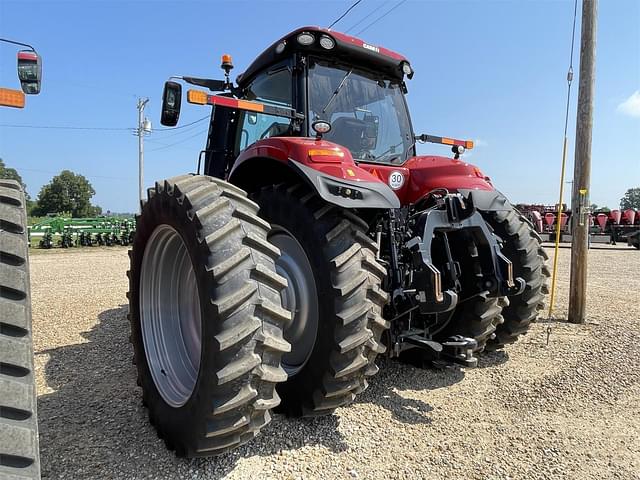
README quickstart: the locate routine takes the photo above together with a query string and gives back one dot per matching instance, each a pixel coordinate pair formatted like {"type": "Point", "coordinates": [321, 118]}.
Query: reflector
{"type": "Point", "coordinates": [197, 96]}
{"type": "Point", "coordinates": [325, 152]}
{"type": "Point", "coordinates": [11, 98]}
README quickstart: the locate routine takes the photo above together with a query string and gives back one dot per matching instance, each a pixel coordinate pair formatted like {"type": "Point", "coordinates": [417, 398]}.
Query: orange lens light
{"type": "Point", "coordinates": [468, 144]}
{"type": "Point", "coordinates": [325, 152]}
{"type": "Point", "coordinates": [251, 106]}
{"type": "Point", "coordinates": [197, 96]}
{"type": "Point", "coordinates": [11, 98]}
{"type": "Point", "coordinates": [448, 141]}
{"type": "Point", "coordinates": [226, 59]}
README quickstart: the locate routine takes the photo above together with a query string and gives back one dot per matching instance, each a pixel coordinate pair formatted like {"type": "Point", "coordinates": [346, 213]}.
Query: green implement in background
{"type": "Point", "coordinates": [83, 232]}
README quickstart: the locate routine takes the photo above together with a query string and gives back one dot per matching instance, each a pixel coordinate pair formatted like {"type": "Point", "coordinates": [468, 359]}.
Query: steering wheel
{"type": "Point", "coordinates": [273, 131]}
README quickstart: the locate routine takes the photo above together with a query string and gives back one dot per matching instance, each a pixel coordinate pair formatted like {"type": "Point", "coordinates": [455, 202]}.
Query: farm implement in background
{"type": "Point", "coordinates": [604, 226]}
{"type": "Point", "coordinates": [82, 232]}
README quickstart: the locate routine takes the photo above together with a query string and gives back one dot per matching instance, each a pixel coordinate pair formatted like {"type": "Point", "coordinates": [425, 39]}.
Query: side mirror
{"type": "Point", "coordinates": [171, 103]}
{"type": "Point", "coordinates": [29, 71]}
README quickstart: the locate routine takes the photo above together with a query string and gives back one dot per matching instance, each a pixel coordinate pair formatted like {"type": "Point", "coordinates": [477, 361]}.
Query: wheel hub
{"type": "Point", "coordinates": [170, 315]}
{"type": "Point", "coordinates": [300, 297]}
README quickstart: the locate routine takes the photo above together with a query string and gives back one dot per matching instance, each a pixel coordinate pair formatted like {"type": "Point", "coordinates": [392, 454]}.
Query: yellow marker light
{"type": "Point", "coordinates": [468, 144]}
{"type": "Point", "coordinates": [197, 96]}
{"type": "Point", "coordinates": [350, 172]}
{"type": "Point", "coordinates": [325, 152]}
{"type": "Point", "coordinates": [11, 98]}
{"type": "Point", "coordinates": [447, 141]}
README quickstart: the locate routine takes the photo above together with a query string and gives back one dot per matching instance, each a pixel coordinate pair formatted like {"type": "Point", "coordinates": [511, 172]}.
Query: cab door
{"type": "Point", "coordinates": [231, 131]}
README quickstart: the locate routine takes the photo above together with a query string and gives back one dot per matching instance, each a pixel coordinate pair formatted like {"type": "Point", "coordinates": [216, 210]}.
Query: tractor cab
{"type": "Point", "coordinates": [318, 75]}
{"type": "Point", "coordinates": [327, 76]}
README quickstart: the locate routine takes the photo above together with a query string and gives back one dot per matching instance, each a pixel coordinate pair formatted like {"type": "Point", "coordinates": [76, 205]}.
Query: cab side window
{"type": "Point", "coordinates": [273, 87]}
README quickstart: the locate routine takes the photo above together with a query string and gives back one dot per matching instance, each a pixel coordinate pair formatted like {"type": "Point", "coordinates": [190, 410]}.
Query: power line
{"type": "Point", "coordinates": [570, 72]}
{"type": "Point", "coordinates": [382, 16]}
{"type": "Point", "coordinates": [183, 126]}
{"type": "Point", "coordinates": [201, 132]}
{"type": "Point", "coordinates": [175, 134]}
{"type": "Point", "coordinates": [564, 161]}
{"type": "Point", "coordinates": [344, 14]}
{"type": "Point", "coordinates": [363, 19]}
{"type": "Point", "coordinates": [64, 127]}
{"type": "Point", "coordinates": [156, 141]}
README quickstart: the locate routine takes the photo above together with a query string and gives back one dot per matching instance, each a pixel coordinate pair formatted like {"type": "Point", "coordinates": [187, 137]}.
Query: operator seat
{"type": "Point", "coordinates": [347, 132]}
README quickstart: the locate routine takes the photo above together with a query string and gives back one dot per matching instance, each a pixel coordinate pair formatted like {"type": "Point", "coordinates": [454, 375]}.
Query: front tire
{"type": "Point", "coordinates": [206, 315]}
{"type": "Point", "coordinates": [345, 323]}
{"type": "Point", "coordinates": [19, 455]}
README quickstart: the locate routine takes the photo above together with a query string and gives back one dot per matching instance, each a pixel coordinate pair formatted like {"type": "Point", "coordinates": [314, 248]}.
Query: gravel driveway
{"type": "Point", "coordinates": [569, 409]}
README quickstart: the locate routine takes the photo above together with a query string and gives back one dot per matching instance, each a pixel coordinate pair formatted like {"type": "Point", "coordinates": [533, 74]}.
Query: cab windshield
{"type": "Point", "coordinates": [368, 115]}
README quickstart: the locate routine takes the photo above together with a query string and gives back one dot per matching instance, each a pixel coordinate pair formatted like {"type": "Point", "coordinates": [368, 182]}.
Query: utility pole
{"type": "Point", "coordinates": [582, 164]}
{"type": "Point", "coordinates": [144, 126]}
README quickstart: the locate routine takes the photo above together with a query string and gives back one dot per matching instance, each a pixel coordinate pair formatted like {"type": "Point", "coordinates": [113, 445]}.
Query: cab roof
{"type": "Point", "coordinates": [346, 48]}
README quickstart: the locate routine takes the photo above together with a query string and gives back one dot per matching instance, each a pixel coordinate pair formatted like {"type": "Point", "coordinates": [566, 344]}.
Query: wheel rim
{"type": "Point", "coordinates": [170, 315]}
{"type": "Point", "coordinates": [300, 297]}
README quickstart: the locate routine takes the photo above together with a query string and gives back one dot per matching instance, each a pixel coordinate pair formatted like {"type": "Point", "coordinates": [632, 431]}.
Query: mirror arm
{"type": "Point", "coordinates": [17, 43]}
{"type": "Point", "coordinates": [213, 85]}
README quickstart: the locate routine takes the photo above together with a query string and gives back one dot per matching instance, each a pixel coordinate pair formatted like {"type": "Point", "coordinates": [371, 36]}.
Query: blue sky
{"type": "Point", "coordinates": [489, 71]}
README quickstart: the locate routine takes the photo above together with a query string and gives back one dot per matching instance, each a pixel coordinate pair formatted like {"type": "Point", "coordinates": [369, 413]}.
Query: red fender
{"type": "Point", "coordinates": [410, 181]}
{"type": "Point", "coordinates": [309, 152]}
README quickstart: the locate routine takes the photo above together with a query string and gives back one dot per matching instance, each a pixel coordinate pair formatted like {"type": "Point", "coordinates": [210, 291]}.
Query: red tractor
{"type": "Point", "coordinates": [315, 240]}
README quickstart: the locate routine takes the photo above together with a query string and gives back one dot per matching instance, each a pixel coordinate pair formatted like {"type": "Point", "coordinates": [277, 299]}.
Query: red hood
{"type": "Point", "coordinates": [428, 172]}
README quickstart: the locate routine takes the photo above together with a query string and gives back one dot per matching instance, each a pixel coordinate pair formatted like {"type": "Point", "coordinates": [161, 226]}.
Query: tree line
{"type": "Point", "coordinates": [67, 192]}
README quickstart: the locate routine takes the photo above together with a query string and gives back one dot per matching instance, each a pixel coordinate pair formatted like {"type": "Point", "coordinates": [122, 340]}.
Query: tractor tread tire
{"type": "Point", "coordinates": [523, 247]}
{"type": "Point", "coordinates": [242, 338]}
{"type": "Point", "coordinates": [349, 281]}
{"type": "Point", "coordinates": [476, 318]}
{"type": "Point", "coordinates": [19, 455]}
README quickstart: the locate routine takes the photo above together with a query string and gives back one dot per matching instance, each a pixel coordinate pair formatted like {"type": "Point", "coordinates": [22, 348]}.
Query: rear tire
{"type": "Point", "coordinates": [218, 395]}
{"type": "Point", "coordinates": [478, 316]}
{"type": "Point", "coordinates": [347, 281]}
{"type": "Point", "coordinates": [19, 456]}
{"type": "Point", "coordinates": [523, 247]}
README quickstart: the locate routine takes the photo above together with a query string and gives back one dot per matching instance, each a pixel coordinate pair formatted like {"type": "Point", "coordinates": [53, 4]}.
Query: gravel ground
{"type": "Point", "coordinates": [569, 409]}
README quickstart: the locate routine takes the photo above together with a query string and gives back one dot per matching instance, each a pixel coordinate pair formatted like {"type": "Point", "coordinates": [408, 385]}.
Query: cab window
{"type": "Point", "coordinates": [273, 87]}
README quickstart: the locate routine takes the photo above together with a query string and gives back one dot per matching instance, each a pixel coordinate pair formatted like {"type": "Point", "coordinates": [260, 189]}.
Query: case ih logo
{"type": "Point", "coordinates": [370, 47]}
